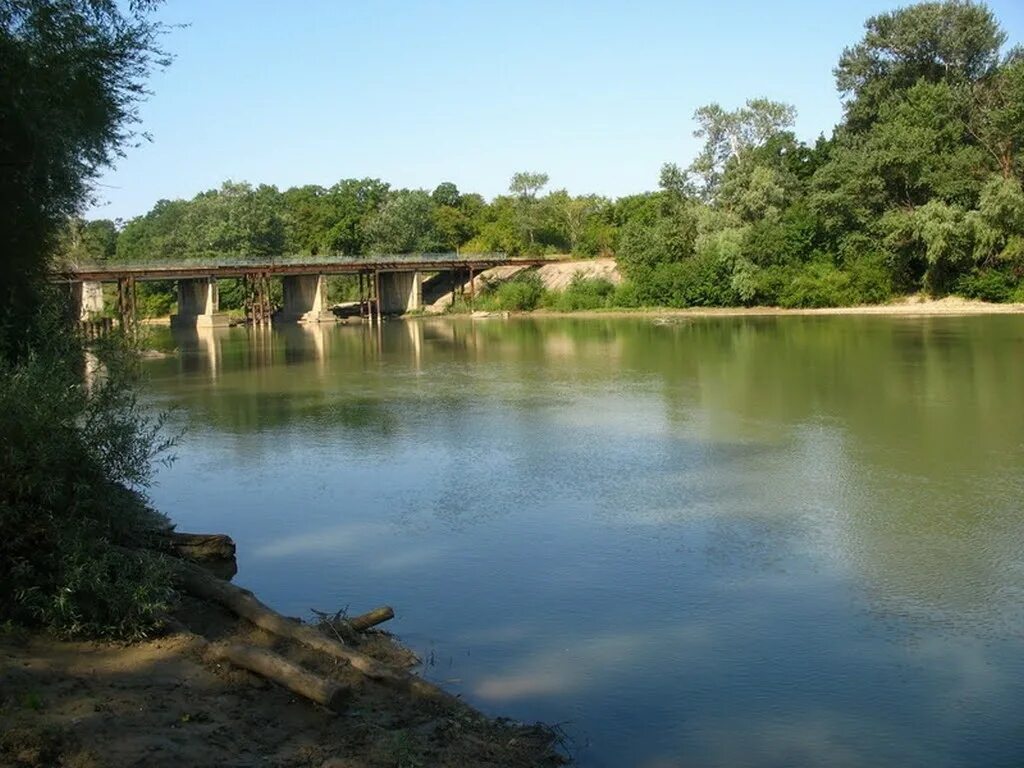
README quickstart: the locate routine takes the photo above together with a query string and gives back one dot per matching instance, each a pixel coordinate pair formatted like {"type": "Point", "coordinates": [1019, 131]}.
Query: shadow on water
{"type": "Point", "coordinates": [729, 541]}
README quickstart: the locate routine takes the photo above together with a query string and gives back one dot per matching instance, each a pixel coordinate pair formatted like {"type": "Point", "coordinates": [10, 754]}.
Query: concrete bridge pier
{"type": "Point", "coordinates": [87, 300]}
{"type": "Point", "coordinates": [199, 304]}
{"type": "Point", "coordinates": [305, 300]}
{"type": "Point", "coordinates": [400, 292]}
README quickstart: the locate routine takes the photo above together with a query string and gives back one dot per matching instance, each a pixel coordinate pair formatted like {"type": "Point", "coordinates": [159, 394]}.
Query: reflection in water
{"type": "Point", "coordinates": [750, 541]}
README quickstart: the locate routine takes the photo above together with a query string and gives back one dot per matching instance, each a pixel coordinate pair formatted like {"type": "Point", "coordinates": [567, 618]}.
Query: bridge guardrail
{"type": "Point", "coordinates": [215, 262]}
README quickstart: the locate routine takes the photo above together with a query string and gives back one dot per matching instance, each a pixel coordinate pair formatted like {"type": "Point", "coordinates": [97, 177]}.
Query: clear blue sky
{"type": "Point", "coordinates": [596, 94]}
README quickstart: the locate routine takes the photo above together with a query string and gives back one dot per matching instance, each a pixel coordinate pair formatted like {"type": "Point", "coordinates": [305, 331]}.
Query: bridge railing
{"type": "Point", "coordinates": [263, 262]}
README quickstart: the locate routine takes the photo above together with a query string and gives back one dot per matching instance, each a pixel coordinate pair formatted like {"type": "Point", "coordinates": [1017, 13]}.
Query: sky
{"type": "Point", "coordinates": [596, 94]}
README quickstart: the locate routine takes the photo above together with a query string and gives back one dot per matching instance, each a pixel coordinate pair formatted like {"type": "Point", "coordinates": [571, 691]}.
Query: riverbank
{"type": "Point", "coordinates": [905, 306]}
{"type": "Point", "coordinates": [908, 305]}
{"type": "Point", "coordinates": [166, 702]}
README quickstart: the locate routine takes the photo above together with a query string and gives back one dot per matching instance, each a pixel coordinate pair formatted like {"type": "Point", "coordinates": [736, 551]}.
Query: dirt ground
{"type": "Point", "coordinates": [164, 703]}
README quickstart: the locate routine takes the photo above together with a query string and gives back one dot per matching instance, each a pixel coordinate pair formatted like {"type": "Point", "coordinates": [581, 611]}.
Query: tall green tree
{"type": "Point", "coordinates": [404, 224]}
{"type": "Point", "coordinates": [74, 74]}
{"type": "Point", "coordinates": [954, 41]}
{"type": "Point", "coordinates": [729, 136]}
{"type": "Point", "coordinates": [525, 186]}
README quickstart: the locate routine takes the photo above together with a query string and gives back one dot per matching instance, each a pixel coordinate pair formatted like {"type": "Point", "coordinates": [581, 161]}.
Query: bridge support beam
{"type": "Point", "coordinates": [305, 300]}
{"type": "Point", "coordinates": [400, 292]}
{"type": "Point", "coordinates": [87, 300]}
{"type": "Point", "coordinates": [199, 304]}
{"type": "Point", "coordinates": [127, 306]}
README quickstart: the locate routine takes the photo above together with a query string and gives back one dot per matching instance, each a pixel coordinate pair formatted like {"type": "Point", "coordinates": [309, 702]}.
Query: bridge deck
{"type": "Point", "coordinates": [310, 266]}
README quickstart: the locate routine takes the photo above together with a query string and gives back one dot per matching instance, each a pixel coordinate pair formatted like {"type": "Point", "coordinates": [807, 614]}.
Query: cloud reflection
{"type": "Point", "coordinates": [588, 662]}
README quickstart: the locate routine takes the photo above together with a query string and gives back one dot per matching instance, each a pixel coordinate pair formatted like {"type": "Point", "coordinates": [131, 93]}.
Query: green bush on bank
{"type": "Point", "coordinates": [582, 293]}
{"type": "Point", "coordinates": [75, 450]}
{"type": "Point", "coordinates": [701, 281]}
{"type": "Point", "coordinates": [990, 285]}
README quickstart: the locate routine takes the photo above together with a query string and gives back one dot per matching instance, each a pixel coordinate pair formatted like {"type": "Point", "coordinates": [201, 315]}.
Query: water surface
{"type": "Point", "coordinates": [719, 542]}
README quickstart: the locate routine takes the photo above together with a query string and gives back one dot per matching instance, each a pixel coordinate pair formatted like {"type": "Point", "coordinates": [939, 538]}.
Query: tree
{"type": "Point", "coordinates": [446, 193]}
{"type": "Point", "coordinates": [729, 136]}
{"type": "Point", "coordinates": [306, 214]}
{"type": "Point", "coordinates": [74, 73]}
{"type": "Point", "coordinates": [997, 119]}
{"type": "Point", "coordinates": [525, 186]}
{"type": "Point", "coordinates": [573, 215]}
{"type": "Point", "coordinates": [955, 41]}
{"type": "Point", "coordinates": [353, 202]}
{"type": "Point", "coordinates": [404, 224]}
{"type": "Point", "coordinates": [87, 242]}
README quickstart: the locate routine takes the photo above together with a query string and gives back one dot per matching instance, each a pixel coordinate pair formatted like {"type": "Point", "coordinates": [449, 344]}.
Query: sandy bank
{"type": "Point", "coordinates": [907, 306]}
{"type": "Point", "coordinates": [164, 703]}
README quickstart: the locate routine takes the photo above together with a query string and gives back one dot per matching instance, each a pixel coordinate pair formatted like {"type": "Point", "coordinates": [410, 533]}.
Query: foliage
{"type": "Point", "coordinates": [73, 77]}
{"type": "Point", "coordinates": [730, 136]}
{"type": "Point", "coordinates": [954, 41]}
{"type": "Point", "coordinates": [76, 449]}
{"type": "Point", "coordinates": [581, 294]}
{"type": "Point", "coordinates": [522, 293]}
{"type": "Point", "coordinates": [75, 445]}
{"type": "Point", "coordinates": [987, 285]}
{"type": "Point", "coordinates": [404, 224]}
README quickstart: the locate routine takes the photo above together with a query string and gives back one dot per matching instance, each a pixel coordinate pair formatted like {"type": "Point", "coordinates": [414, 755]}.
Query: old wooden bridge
{"type": "Point", "coordinates": [388, 285]}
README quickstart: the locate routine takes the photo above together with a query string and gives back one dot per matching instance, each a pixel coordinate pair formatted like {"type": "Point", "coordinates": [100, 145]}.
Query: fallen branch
{"type": "Point", "coordinates": [270, 665]}
{"type": "Point", "coordinates": [242, 602]}
{"type": "Point", "coordinates": [371, 618]}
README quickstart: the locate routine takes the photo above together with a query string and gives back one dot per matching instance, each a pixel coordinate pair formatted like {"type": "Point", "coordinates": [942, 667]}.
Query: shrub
{"type": "Point", "coordinates": [987, 285]}
{"type": "Point", "coordinates": [156, 299]}
{"type": "Point", "coordinates": [695, 282]}
{"type": "Point", "coordinates": [626, 295]}
{"type": "Point", "coordinates": [582, 293]}
{"type": "Point", "coordinates": [75, 451]}
{"type": "Point", "coordinates": [522, 293]}
{"type": "Point", "coordinates": [871, 280]}
{"type": "Point", "coordinates": [819, 285]}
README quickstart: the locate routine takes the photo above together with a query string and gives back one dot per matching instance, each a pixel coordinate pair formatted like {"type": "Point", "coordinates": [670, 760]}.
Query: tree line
{"type": "Point", "coordinates": [919, 188]}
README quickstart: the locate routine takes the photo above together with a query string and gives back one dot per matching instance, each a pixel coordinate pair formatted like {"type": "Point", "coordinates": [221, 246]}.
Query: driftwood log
{"type": "Point", "coordinates": [201, 547]}
{"type": "Point", "coordinates": [270, 665]}
{"type": "Point", "coordinates": [372, 618]}
{"type": "Point", "coordinates": [196, 581]}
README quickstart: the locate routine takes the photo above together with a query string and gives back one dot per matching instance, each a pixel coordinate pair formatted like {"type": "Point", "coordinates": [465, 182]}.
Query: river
{"type": "Point", "coordinates": [755, 541]}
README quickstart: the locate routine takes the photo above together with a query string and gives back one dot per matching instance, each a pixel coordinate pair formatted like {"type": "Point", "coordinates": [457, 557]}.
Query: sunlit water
{"type": "Point", "coordinates": [720, 542]}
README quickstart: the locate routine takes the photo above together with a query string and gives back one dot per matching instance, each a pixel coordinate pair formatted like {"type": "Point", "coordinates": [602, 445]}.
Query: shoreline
{"type": "Point", "coordinates": [178, 697]}
{"type": "Point", "coordinates": [910, 306]}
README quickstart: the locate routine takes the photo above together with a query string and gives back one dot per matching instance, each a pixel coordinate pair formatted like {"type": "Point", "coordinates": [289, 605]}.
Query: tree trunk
{"type": "Point", "coordinates": [283, 672]}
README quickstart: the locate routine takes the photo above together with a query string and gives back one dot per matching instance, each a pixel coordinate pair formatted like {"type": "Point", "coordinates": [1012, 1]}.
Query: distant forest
{"type": "Point", "coordinates": [919, 188]}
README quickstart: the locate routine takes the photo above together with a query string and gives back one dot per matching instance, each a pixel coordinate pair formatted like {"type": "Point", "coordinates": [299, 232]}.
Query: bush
{"type": "Point", "coordinates": [871, 280]}
{"type": "Point", "coordinates": [522, 293]}
{"type": "Point", "coordinates": [626, 295]}
{"type": "Point", "coordinates": [700, 281]}
{"type": "Point", "coordinates": [156, 299]}
{"type": "Point", "coordinates": [75, 452]}
{"type": "Point", "coordinates": [819, 285]}
{"type": "Point", "coordinates": [987, 285]}
{"type": "Point", "coordinates": [582, 293]}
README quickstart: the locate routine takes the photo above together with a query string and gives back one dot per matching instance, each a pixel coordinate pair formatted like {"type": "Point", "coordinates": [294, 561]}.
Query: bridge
{"type": "Point", "coordinates": [388, 284]}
